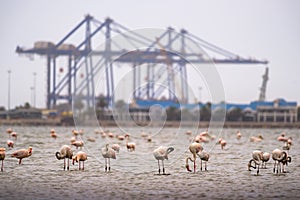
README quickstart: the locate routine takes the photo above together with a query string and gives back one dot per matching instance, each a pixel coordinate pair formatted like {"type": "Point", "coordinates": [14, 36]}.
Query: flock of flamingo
{"type": "Point", "coordinates": [280, 156]}
{"type": "Point", "coordinates": [109, 151]}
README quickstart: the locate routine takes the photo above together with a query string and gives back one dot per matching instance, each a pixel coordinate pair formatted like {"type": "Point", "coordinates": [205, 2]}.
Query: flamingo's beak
{"type": "Point", "coordinates": [188, 168]}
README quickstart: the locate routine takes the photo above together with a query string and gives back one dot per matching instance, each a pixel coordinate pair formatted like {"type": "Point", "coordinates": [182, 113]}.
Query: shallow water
{"type": "Point", "coordinates": [134, 174]}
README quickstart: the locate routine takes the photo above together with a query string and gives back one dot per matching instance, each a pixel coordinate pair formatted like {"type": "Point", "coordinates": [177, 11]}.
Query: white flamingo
{"type": "Point", "coordinates": [80, 157]}
{"type": "Point", "coordinates": [204, 156]}
{"type": "Point", "coordinates": [65, 152]}
{"type": "Point", "coordinates": [108, 153]}
{"type": "Point", "coordinates": [161, 153]}
{"type": "Point", "coordinates": [256, 158]}
{"type": "Point", "coordinates": [265, 158]}
{"type": "Point", "coordinates": [281, 158]}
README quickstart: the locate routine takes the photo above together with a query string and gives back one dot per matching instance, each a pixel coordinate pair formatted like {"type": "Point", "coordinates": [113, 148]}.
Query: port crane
{"type": "Point", "coordinates": [81, 59]}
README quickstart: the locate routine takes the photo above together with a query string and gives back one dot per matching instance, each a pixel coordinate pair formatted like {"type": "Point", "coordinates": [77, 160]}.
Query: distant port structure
{"type": "Point", "coordinates": [163, 57]}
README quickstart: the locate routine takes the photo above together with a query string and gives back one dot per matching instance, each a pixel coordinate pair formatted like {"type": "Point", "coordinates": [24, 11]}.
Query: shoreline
{"type": "Point", "coordinates": [111, 123]}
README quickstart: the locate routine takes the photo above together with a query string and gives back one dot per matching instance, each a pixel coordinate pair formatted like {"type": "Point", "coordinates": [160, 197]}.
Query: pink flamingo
{"type": "Point", "coordinates": [14, 135]}
{"type": "Point", "coordinates": [80, 157]}
{"type": "Point", "coordinates": [238, 135]}
{"type": "Point", "coordinates": [2, 157]}
{"type": "Point", "coordinates": [9, 131]}
{"type": "Point", "coordinates": [53, 133]}
{"type": "Point", "coordinates": [222, 142]}
{"type": "Point", "coordinates": [10, 143]}
{"type": "Point", "coordinates": [282, 138]}
{"type": "Point", "coordinates": [130, 145]}
{"type": "Point", "coordinates": [194, 148]}
{"type": "Point", "coordinates": [78, 143]}
{"type": "Point", "coordinates": [116, 147]}
{"type": "Point", "coordinates": [22, 153]}
{"type": "Point", "coordinates": [258, 138]}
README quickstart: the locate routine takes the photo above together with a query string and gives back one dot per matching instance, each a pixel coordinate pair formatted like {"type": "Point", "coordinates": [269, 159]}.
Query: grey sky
{"type": "Point", "coordinates": [261, 29]}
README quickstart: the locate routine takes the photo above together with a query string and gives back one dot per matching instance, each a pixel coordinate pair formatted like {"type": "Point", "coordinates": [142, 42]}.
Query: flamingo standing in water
{"type": "Point", "coordinates": [204, 156]}
{"type": "Point", "coordinates": [22, 153]}
{"type": "Point", "coordinates": [80, 157]}
{"type": "Point", "coordinates": [280, 157]}
{"type": "Point", "coordinates": [258, 138]}
{"type": "Point", "coordinates": [194, 148]}
{"type": "Point", "coordinates": [282, 137]}
{"type": "Point", "coordinates": [65, 152]}
{"type": "Point", "coordinates": [116, 147]}
{"type": "Point", "coordinates": [14, 135]}
{"type": "Point", "coordinates": [238, 135]}
{"type": "Point", "coordinates": [222, 142]}
{"type": "Point", "coordinates": [265, 158]}
{"type": "Point", "coordinates": [78, 143]}
{"type": "Point", "coordinates": [2, 157]}
{"type": "Point", "coordinates": [53, 133]}
{"type": "Point", "coordinates": [10, 143]}
{"type": "Point", "coordinates": [108, 153]}
{"type": "Point", "coordinates": [9, 131]}
{"type": "Point", "coordinates": [161, 153]}
{"type": "Point", "coordinates": [75, 133]}
{"type": "Point", "coordinates": [257, 157]}
{"type": "Point", "coordinates": [130, 145]}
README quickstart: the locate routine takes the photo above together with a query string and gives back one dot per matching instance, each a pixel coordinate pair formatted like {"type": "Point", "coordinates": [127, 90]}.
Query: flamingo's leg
{"type": "Point", "coordinates": [200, 164]}
{"type": "Point", "coordinates": [163, 167]}
{"type": "Point", "coordinates": [108, 164]}
{"type": "Point", "coordinates": [158, 166]}
{"type": "Point", "coordinates": [64, 163]}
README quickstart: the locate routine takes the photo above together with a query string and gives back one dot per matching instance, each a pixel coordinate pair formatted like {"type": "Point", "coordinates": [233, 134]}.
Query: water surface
{"type": "Point", "coordinates": [133, 174]}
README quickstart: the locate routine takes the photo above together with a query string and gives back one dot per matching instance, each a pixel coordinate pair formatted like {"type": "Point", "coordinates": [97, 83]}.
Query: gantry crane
{"type": "Point", "coordinates": [81, 57]}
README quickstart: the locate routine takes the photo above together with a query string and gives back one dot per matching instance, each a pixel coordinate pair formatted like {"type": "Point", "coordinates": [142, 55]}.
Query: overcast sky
{"type": "Point", "coordinates": [252, 28]}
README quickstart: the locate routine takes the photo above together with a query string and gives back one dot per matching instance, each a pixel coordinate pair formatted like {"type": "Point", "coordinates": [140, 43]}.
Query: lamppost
{"type": "Point", "coordinates": [34, 89]}
{"type": "Point", "coordinates": [8, 95]}
{"type": "Point", "coordinates": [32, 95]}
